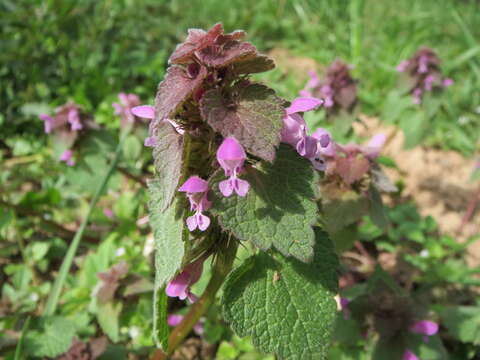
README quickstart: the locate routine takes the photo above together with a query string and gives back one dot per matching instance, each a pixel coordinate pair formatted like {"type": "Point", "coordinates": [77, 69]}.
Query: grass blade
{"type": "Point", "coordinates": [54, 296]}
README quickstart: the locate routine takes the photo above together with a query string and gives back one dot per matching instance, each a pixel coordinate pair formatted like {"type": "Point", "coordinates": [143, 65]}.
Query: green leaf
{"type": "Point", "coordinates": [286, 306]}
{"type": "Point", "coordinates": [462, 322]}
{"type": "Point", "coordinates": [343, 210]}
{"type": "Point", "coordinates": [278, 210]}
{"type": "Point", "coordinates": [377, 210]}
{"type": "Point", "coordinates": [170, 235]}
{"type": "Point", "coordinates": [258, 64]}
{"type": "Point", "coordinates": [252, 114]}
{"type": "Point", "coordinates": [168, 158]}
{"type": "Point", "coordinates": [108, 317]}
{"type": "Point", "coordinates": [54, 340]}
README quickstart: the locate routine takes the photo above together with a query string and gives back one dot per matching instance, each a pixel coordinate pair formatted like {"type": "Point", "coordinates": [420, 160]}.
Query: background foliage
{"type": "Point", "coordinates": [52, 51]}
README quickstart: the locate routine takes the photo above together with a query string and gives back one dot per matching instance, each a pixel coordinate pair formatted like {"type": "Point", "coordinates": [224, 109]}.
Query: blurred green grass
{"type": "Point", "coordinates": [86, 50]}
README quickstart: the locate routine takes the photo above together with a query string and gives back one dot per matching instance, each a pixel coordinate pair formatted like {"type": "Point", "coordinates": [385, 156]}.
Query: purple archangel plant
{"type": "Point", "coordinates": [64, 127]}
{"type": "Point", "coordinates": [236, 164]}
{"type": "Point", "coordinates": [422, 73]}
{"type": "Point", "coordinates": [337, 89]}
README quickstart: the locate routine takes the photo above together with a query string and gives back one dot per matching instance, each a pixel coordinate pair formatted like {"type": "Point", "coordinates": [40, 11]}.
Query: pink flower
{"type": "Point", "coordinates": [180, 285]}
{"type": "Point", "coordinates": [425, 327]}
{"type": "Point", "coordinates": [144, 111]}
{"type": "Point", "coordinates": [447, 82]}
{"type": "Point", "coordinates": [197, 189]}
{"type": "Point", "coordinates": [373, 147]}
{"type": "Point", "coordinates": [124, 109]}
{"type": "Point", "coordinates": [175, 319]}
{"type": "Point", "coordinates": [428, 82]}
{"type": "Point", "coordinates": [403, 66]}
{"type": "Point", "coordinates": [68, 114]}
{"type": "Point", "coordinates": [67, 157]}
{"type": "Point", "coordinates": [231, 157]}
{"type": "Point", "coordinates": [344, 307]}
{"type": "Point", "coordinates": [423, 62]}
{"type": "Point", "coordinates": [148, 112]}
{"type": "Point", "coordinates": [417, 96]}
{"type": "Point", "coordinates": [294, 131]}
{"type": "Point", "coordinates": [108, 213]}
{"type": "Point", "coordinates": [409, 355]}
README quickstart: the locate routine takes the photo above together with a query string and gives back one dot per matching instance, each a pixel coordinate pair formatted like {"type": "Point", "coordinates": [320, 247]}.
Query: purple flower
{"type": "Point", "coordinates": [68, 114]}
{"type": "Point", "coordinates": [417, 96]}
{"type": "Point", "coordinates": [337, 88]}
{"type": "Point", "coordinates": [344, 307]}
{"type": "Point", "coordinates": [447, 82]}
{"type": "Point", "coordinates": [124, 109]}
{"type": "Point", "coordinates": [409, 355]}
{"type": "Point", "coordinates": [108, 213]}
{"type": "Point", "coordinates": [403, 66]}
{"type": "Point", "coordinates": [425, 327]}
{"type": "Point", "coordinates": [231, 157]}
{"type": "Point", "coordinates": [175, 319]}
{"type": "Point", "coordinates": [67, 157]}
{"type": "Point", "coordinates": [180, 285]}
{"type": "Point", "coordinates": [428, 82]}
{"type": "Point", "coordinates": [373, 147]}
{"type": "Point", "coordinates": [144, 111]}
{"type": "Point", "coordinates": [197, 189]}
{"type": "Point", "coordinates": [294, 131]}
{"type": "Point", "coordinates": [148, 112]}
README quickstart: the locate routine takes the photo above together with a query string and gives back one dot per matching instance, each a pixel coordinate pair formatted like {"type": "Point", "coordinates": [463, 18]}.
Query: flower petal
{"type": "Point", "coordinates": [144, 111]}
{"type": "Point", "coordinates": [425, 327]}
{"type": "Point", "coordinates": [192, 223]}
{"type": "Point", "coordinates": [241, 187]}
{"type": "Point", "coordinates": [303, 104]}
{"type": "Point", "coordinates": [194, 184]}
{"type": "Point", "coordinates": [203, 221]}
{"type": "Point", "coordinates": [226, 187]}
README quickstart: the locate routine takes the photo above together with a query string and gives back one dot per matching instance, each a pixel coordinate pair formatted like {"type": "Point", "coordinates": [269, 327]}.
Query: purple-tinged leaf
{"type": "Point", "coordinates": [177, 87]}
{"type": "Point", "coordinates": [196, 40]}
{"type": "Point", "coordinates": [221, 55]}
{"type": "Point", "coordinates": [168, 159]}
{"type": "Point", "coordinates": [253, 116]}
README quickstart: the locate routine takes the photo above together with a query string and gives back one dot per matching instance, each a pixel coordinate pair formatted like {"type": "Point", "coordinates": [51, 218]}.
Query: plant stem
{"type": "Point", "coordinates": [222, 266]}
{"type": "Point", "coordinates": [52, 300]}
{"type": "Point", "coordinates": [19, 348]}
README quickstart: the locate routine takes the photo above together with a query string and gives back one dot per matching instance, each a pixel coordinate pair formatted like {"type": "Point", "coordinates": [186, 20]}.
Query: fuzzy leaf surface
{"type": "Point", "coordinates": [175, 89]}
{"type": "Point", "coordinates": [252, 114]}
{"type": "Point", "coordinates": [197, 39]}
{"type": "Point", "coordinates": [168, 160]}
{"type": "Point", "coordinates": [258, 64]}
{"type": "Point", "coordinates": [169, 234]}
{"type": "Point", "coordinates": [286, 306]}
{"type": "Point", "coordinates": [54, 339]}
{"type": "Point", "coordinates": [227, 53]}
{"type": "Point", "coordinates": [279, 209]}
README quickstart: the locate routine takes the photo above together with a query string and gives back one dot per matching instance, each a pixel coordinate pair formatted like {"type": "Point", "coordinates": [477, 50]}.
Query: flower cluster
{"type": "Point", "coordinates": [424, 327]}
{"type": "Point", "coordinates": [231, 157]}
{"type": "Point", "coordinates": [180, 285]}
{"type": "Point", "coordinates": [337, 89]}
{"type": "Point", "coordinates": [423, 73]}
{"type": "Point", "coordinates": [64, 125]}
{"type": "Point", "coordinates": [295, 132]}
{"type": "Point", "coordinates": [124, 108]}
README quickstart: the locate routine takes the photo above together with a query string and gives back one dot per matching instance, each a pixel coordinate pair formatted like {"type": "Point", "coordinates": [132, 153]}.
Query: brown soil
{"type": "Point", "coordinates": [436, 180]}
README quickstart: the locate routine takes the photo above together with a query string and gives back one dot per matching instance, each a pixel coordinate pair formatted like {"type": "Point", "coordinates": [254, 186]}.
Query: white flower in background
{"type": "Point", "coordinates": [149, 245]}
{"type": "Point", "coordinates": [424, 253]}
{"type": "Point", "coordinates": [120, 252]}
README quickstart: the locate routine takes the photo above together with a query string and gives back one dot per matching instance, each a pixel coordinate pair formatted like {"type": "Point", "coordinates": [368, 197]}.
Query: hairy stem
{"type": "Point", "coordinates": [221, 268]}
